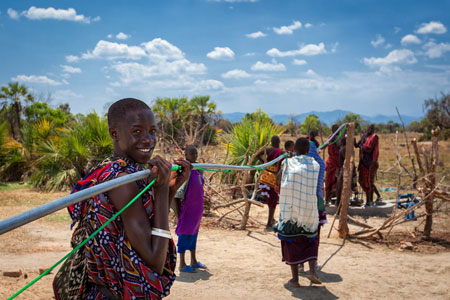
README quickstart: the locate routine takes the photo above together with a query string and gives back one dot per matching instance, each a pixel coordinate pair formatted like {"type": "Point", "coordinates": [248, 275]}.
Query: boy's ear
{"type": "Point", "coordinates": [113, 133]}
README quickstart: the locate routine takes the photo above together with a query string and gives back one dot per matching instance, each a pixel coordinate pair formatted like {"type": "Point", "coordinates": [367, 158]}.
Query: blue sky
{"type": "Point", "coordinates": [285, 57]}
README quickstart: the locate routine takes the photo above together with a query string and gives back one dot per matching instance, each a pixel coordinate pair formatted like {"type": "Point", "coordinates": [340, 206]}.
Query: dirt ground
{"type": "Point", "coordinates": [241, 264]}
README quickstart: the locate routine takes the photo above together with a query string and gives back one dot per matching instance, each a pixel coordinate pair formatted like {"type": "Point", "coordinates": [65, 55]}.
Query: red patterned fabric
{"type": "Point", "coordinates": [366, 176]}
{"type": "Point", "coordinates": [332, 168]}
{"type": "Point", "coordinates": [111, 261]}
{"type": "Point", "coordinates": [372, 143]}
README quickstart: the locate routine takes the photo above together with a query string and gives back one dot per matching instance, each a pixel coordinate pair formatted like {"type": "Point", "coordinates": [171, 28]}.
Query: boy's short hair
{"type": "Point", "coordinates": [275, 141]}
{"type": "Point", "coordinates": [302, 146]}
{"type": "Point", "coordinates": [334, 128]}
{"type": "Point", "coordinates": [190, 148]}
{"type": "Point", "coordinates": [118, 110]}
{"type": "Point", "coordinates": [289, 144]}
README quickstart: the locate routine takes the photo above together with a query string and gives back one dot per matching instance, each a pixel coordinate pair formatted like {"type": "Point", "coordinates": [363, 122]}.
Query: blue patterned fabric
{"type": "Point", "coordinates": [315, 154]}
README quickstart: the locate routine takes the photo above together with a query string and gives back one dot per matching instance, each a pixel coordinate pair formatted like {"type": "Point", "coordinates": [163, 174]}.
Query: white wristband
{"type": "Point", "coordinates": [162, 233]}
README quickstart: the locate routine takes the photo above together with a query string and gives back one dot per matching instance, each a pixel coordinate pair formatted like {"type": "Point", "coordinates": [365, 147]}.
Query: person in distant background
{"type": "Point", "coordinates": [332, 166]}
{"type": "Point", "coordinates": [269, 190]}
{"type": "Point", "coordinates": [289, 146]}
{"type": "Point", "coordinates": [189, 207]}
{"type": "Point", "coordinates": [368, 163]}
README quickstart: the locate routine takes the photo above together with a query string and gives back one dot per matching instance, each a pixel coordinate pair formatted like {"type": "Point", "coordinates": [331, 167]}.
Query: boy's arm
{"type": "Point", "coordinates": [177, 202]}
{"type": "Point", "coordinates": [259, 155]}
{"type": "Point", "coordinates": [179, 197]}
{"type": "Point", "coordinates": [280, 173]}
{"type": "Point", "coordinates": [178, 179]}
{"type": "Point", "coordinates": [151, 248]}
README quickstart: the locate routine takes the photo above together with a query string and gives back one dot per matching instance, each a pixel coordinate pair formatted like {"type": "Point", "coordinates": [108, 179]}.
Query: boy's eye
{"type": "Point", "coordinates": [137, 131]}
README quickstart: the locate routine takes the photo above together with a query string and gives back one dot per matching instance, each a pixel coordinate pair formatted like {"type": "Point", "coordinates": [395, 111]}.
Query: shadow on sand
{"type": "Point", "coordinates": [193, 277]}
{"type": "Point", "coordinates": [324, 276]}
{"type": "Point", "coordinates": [252, 234]}
{"type": "Point", "coordinates": [311, 292]}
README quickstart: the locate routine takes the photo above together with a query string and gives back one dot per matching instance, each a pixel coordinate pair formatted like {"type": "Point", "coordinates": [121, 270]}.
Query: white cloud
{"type": "Point", "coordinates": [210, 84]}
{"type": "Point", "coordinates": [311, 73]}
{"type": "Point", "coordinates": [221, 53]}
{"type": "Point", "coordinates": [136, 72]}
{"type": "Point", "coordinates": [308, 25]}
{"type": "Point", "coordinates": [236, 73]}
{"type": "Point", "coordinates": [308, 50]}
{"type": "Point", "coordinates": [256, 35]}
{"type": "Point", "coordinates": [299, 62]}
{"type": "Point", "coordinates": [110, 50]}
{"type": "Point", "coordinates": [382, 92]}
{"type": "Point", "coordinates": [13, 14]}
{"type": "Point", "coordinates": [65, 95]}
{"type": "Point", "coordinates": [159, 49]}
{"type": "Point", "coordinates": [410, 39]}
{"type": "Point", "coordinates": [72, 58]}
{"type": "Point", "coordinates": [334, 47]}
{"type": "Point", "coordinates": [35, 13]}
{"type": "Point", "coordinates": [434, 50]}
{"type": "Point", "coordinates": [288, 29]}
{"type": "Point", "coordinates": [395, 57]}
{"type": "Point", "coordinates": [250, 54]}
{"type": "Point", "coordinates": [432, 27]}
{"type": "Point", "coordinates": [260, 66]}
{"type": "Point", "coordinates": [379, 41]}
{"type": "Point", "coordinates": [165, 65]}
{"type": "Point", "coordinates": [36, 79]}
{"type": "Point", "coordinates": [122, 36]}
{"type": "Point", "coordinates": [70, 69]}
{"type": "Point", "coordinates": [109, 36]}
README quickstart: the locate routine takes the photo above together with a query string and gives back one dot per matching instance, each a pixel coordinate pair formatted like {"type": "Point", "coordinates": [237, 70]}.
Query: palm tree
{"type": "Point", "coordinates": [13, 95]}
{"type": "Point", "coordinates": [67, 156]}
{"type": "Point", "coordinates": [256, 127]}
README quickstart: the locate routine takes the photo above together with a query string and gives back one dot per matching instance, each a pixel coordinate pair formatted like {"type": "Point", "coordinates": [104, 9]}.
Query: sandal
{"type": "Point", "coordinates": [199, 265]}
{"type": "Point", "coordinates": [188, 269]}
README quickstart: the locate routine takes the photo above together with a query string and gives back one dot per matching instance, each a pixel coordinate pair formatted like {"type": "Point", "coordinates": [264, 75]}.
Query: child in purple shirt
{"type": "Point", "coordinates": [189, 208]}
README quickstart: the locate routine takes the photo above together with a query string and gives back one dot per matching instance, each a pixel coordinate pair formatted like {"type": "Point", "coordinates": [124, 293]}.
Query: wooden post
{"type": "Point", "coordinates": [434, 160]}
{"type": "Point", "coordinates": [347, 182]}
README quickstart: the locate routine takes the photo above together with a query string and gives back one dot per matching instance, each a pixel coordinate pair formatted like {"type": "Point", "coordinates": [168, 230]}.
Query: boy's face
{"type": "Point", "coordinates": [135, 136]}
{"type": "Point", "coordinates": [290, 149]}
{"type": "Point", "coordinates": [191, 155]}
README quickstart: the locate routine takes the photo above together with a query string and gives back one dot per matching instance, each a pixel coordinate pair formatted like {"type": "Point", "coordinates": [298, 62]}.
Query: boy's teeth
{"type": "Point", "coordinates": [145, 150]}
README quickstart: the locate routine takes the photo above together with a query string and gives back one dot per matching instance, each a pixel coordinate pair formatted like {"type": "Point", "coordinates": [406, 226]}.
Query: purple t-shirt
{"type": "Point", "coordinates": [191, 211]}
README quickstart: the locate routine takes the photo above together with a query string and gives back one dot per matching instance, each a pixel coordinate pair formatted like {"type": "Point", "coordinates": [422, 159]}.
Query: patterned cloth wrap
{"type": "Point", "coordinates": [107, 266]}
{"type": "Point", "coordinates": [368, 163]}
{"type": "Point", "coordinates": [299, 214]}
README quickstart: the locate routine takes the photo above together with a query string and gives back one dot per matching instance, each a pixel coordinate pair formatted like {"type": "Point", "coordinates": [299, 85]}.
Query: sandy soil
{"type": "Point", "coordinates": [247, 265]}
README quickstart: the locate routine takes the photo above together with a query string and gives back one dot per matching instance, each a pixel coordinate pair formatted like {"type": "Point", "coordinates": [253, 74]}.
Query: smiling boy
{"type": "Point", "coordinates": [134, 256]}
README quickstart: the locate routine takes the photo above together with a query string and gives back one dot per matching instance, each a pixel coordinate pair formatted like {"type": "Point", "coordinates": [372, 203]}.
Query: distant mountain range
{"type": "Point", "coordinates": [328, 117]}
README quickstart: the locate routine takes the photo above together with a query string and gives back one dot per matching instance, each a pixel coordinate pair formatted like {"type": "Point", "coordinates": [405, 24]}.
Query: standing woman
{"type": "Point", "coordinates": [368, 163]}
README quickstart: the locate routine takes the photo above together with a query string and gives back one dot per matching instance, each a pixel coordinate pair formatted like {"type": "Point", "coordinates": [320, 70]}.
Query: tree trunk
{"type": "Point", "coordinates": [347, 182]}
{"type": "Point", "coordinates": [17, 109]}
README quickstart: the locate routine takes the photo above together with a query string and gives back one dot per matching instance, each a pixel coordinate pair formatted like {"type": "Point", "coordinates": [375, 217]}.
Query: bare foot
{"type": "Point", "coordinates": [314, 279]}
{"type": "Point", "coordinates": [301, 269]}
{"type": "Point", "coordinates": [293, 283]}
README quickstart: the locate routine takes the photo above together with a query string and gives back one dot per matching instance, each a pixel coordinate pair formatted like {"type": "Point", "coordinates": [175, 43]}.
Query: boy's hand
{"type": "Point", "coordinates": [177, 179]}
{"type": "Point", "coordinates": [161, 169]}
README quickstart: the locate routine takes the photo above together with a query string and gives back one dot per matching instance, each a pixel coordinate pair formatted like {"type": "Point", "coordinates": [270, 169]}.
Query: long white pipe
{"type": "Point", "coordinates": [48, 208]}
